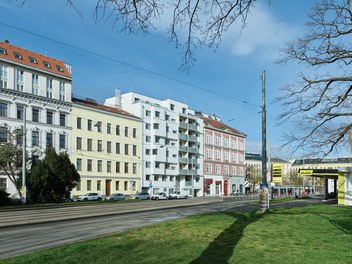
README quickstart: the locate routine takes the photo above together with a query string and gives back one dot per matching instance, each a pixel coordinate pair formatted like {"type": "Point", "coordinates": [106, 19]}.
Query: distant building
{"type": "Point", "coordinates": [36, 88]}
{"type": "Point", "coordinates": [106, 146]}
{"type": "Point", "coordinates": [253, 171]}
{"type": "Point", "coordinates": [224, 158]}
{"type": "Point", "coordinates": [171, 136]}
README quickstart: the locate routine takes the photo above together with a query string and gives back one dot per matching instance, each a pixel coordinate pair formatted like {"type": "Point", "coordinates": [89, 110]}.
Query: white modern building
{"type": "Point", "coordinates": [171, 135]}
{"type": "Point", "coordinates": [37, 89]}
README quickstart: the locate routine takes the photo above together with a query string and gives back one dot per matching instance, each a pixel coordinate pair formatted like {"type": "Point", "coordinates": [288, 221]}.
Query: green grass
{"type": "Point", "coordinates": [311, 234]}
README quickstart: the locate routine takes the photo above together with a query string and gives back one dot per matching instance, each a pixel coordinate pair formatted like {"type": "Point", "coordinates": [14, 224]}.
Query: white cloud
{"type": "Point", "coordinates": [263, 34]}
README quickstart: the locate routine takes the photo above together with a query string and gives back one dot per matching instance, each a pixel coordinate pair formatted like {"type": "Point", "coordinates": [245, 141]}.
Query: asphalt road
{"type": "Point", "coordinates": [25, 236]}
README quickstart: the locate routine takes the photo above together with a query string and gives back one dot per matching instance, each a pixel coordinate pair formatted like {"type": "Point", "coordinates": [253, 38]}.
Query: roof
{"type": "Point", "coordinates": [33, 60]}
{"type": "Point", "coordinates": [94, 104]}
{"type": "Point", "coordinates": [221, 126]}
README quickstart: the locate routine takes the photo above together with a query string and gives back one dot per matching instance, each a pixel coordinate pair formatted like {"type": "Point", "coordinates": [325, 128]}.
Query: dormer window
{"type": "Point", "coordinates": [17, 55]}
{"type": "Point", "coordinates": [33, 60]}
{"type": "Point", "coordinates": [3, 51]}
{"type": "Point", "coordinates": [59, 68]}
{"type": "Point", "coordinates": [46, 64]}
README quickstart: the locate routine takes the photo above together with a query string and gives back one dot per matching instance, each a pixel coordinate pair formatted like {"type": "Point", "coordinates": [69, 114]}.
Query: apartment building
{"type": "Point", "coordinates": [37, 89]}
{"type": "Point", "coordinates": [171, 136]}
{"type": "Point", "coordinates": [106, 146]}
{"type": "Point", "coordinates": [224, 160]}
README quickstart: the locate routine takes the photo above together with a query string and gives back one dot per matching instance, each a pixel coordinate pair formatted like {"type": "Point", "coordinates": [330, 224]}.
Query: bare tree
{"type": "Point", "coordinates": [192, 24]}
{"type": "Point", "coordinates": [319, 101]}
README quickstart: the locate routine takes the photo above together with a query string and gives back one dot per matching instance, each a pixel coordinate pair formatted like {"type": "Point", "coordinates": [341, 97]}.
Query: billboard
{"type": "Point", "coordinates": [276, 172]}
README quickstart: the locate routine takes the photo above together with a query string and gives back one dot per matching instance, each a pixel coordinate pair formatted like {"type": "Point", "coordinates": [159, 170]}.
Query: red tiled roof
{"type": "Point", "coordinates": [26, 54]}
{"type": "Point", "coordinates": [221, 126]}
{"type": "Point", "coordinates": [102, 107]}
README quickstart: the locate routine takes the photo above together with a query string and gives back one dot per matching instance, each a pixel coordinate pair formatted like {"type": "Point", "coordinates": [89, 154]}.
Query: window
{"type": "Point", "coordinates": [126, 149]}
{"type": "Point", "coordinates": [100, 165]}
{"type": "Point", "coordinates": [172, 107]}
{"type": "Point", "coordinates": [240, 158]}
{"type": "Point", "coordinates": [125, 185]}
{"type": "Point", "coordinates": [147, 152]}
{"type": "Point", "coordinates": [49, 117]}
{"type": "Point", "coordinates": [157, 139]}
{"type": "Point", "coordinates": [35, 138]}
{"type": "Point", "coordinates": [226, 170]}
{"type": "Point", "coordinates": [78, 186]}
{"type": "Point", "coordinates": [157, 114]}
{"type": "Point", "coordinates": [147, 164]}
{"type": "Point", "coordinates": [18, 55]}
{"type": "Point", "coordinates": [89, 144]}
{"type": "Point", "coordinates": [19, 137]}
{"type": "Point", "coordinates": [79, 122]}
{"type": "Point", "coordinates": [226, 142]}
{"type": "Point", "coordinates": [89, 165]}
{"type": "Point", "coordinates": [126, 167]}
{"type": "Point", "coordinates": [147, 113]}
{"type": "Point", "coordinates": [3, 76]}
{"type": "Point", "coordinates": [217, 141]}
{"type": "Point", "coordinates": [217, 169]}
{"type": "Point", "coordinates": [62, 91]}
{"type": "Point", "coordinates": [3, 134]}
{"type": "Point", "coordinates": [62, 141]}
{"type": "Point", "coordinates": [156, 126]}
{"type": "Point", "coordinates": [134, 133]}
{"type": "Point", "coordinates": [234, 156]}
{"type": "Point", "coordinates": [157, 164]}
{"type": "Point", "coordinates": [134, 150]}
{"type": "Point", "coordinates": [3, 183]}
{"type": "Point", "coordinates": [32, 60]}
{"type": "Point", "coordinates": [35, 84]}
{"type": "Point", "coordinates": [19, 79]}
{"type": "Point", "coordinates": [89, 125]}
{"type": "Point", "coordinates": [49, 139]}
{"type": "Point", "coordinates": [118, 148]}
{"type": "Point", "coordinates": [59, 68]}
{"type": "Point", "coordinates": [79, 143]}
{"type": "Point", "coordinates": [3, 109]}
{"type": "Point", "coordinates": [20, 112]}
{"type": "Point", "coordinates": [134, 168]}
{"type": "Point", "coordinates": [89, 185]}
{"type": "Point", "coordinates": [108, 166]}
{"type": "Point", "coordinates": [234, 144]}
{"type": "Point", "coordinates": [155, 152]}
{"type": "Point", "coordinates": [108, 147]}
{"type": "Point", "coordinates": [46, 64]}
{"type": "Point", "coordinates": [35, 115]}
{"type": "Point", "coordinates": [100, 146]}
{"type": "Point", "coordinates": [167, 117]}
{"type": "Point", "coordinates": [108, 128]}
{"type": "Point", "coordinates": [226, 155]}
{"type": "Point", "coordinates": [217, 154]}
{"type": "Point", "coordinates": [117, 130]}
{"type": "Point", "coordinates": [234, 170]}
{"type": "Point", "coordinates": [79, 164]}
{"type": "Point", "coordinates": [49, 88]}
{"type": "Point", "coordinates": [99, 125]}
{"type": "Point", "coordinates": [117, 185]}
{"type": "Point", "coordinates": [62, 119]}
{"type": "Point", "coordinates": [208, 153]}
{"type": "Point", "coordinates": [147, 126]}
{"type": "Point", "coordinates": [3, 51]}
{"type": "Point", "coordinates": [126, 131]}
{"type": "Point", "coordinates": [117, 167]}
{"type": "Point", "coordinates": [147, 139]}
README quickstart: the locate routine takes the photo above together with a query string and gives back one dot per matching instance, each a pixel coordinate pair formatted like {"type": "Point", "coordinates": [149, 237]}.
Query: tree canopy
{"type": "Point", "coordinates": [319, 101]}
{"type": "Point", "coordinates": [52, 179]}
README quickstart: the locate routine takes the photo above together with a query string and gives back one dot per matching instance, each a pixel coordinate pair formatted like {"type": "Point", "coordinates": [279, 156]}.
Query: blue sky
{"type": "Point", "coordinates": [234, 69]}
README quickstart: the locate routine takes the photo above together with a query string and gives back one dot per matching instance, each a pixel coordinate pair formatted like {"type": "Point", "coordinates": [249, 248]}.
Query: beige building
{"type": "Point", "coordinates": [105, 148]}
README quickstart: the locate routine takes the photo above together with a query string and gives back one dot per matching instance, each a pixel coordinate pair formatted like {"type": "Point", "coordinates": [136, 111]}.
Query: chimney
{"type": "Point", "coordinates": [114, 101]}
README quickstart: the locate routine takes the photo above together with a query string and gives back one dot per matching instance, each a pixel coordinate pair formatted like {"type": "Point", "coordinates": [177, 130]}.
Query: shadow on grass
{"type": "Point", "coordinates": [221, 249]}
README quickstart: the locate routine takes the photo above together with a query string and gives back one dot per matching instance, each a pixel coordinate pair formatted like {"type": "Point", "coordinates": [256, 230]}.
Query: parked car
{"type": "Point", "coordinates": [178, 195]}
{"type": "Point", "coordinates": [143, 196]}
{"type": "Point", "coordinates": [90, 197]}
{"type": "Point", "coordinates": [160, 196]}
{"type": "Point", "coordinates": [116, 197]}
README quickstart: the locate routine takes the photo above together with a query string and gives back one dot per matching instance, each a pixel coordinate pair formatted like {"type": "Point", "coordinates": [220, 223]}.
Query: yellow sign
{"type": "Point", "coordinates": [276, 172]}
{"type": "Point", "coordinates": [306, 172]}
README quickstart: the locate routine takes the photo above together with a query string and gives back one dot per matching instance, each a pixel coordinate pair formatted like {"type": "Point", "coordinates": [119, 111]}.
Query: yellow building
{"type": "Point", "coordinates": [105, 148]}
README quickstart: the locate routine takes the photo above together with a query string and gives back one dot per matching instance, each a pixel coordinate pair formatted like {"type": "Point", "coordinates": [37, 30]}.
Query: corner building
{"type": "Point", "coordinates": [106, 142]}
{"type": "Point", "coordinates": [37, 89]}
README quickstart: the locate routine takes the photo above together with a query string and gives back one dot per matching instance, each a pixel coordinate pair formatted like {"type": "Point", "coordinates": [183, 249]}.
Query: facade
{"type": "Point", "coordinates": [106, 144]}
{"type": "Point", "coordinates": [224, 158]}
{"type": "Point", "coordinates": [253, 171]}
{"type": "Point", "coordinates": [37, 89]}
{"type": "Point", "coordinates": [171, 138]}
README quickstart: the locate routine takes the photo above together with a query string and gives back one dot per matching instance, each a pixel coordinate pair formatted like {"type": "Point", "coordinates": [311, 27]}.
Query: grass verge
{"type": "Point", "coordinates": [311, 234]}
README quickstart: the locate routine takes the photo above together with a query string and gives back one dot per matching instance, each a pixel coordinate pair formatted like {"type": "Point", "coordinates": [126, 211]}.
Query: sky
{"type": "Point", "coordinates": [225, 82]}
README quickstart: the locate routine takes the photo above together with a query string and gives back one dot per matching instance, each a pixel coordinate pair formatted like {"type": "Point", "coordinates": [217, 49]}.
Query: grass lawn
{"type": "Point", "coordinates": [311, 234]}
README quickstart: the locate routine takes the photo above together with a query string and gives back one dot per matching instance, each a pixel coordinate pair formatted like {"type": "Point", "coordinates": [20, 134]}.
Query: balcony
{"type": "Point", "coordinates": [183, 148]}
{"type": "Point", "coordinates": [188, 172]}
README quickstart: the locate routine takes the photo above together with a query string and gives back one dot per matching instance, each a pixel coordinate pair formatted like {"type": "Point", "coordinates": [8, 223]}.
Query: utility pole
{"type": "Point", "coordinates": [24, 188]}
{"type": "Point", "coordinates": [264, 194]}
